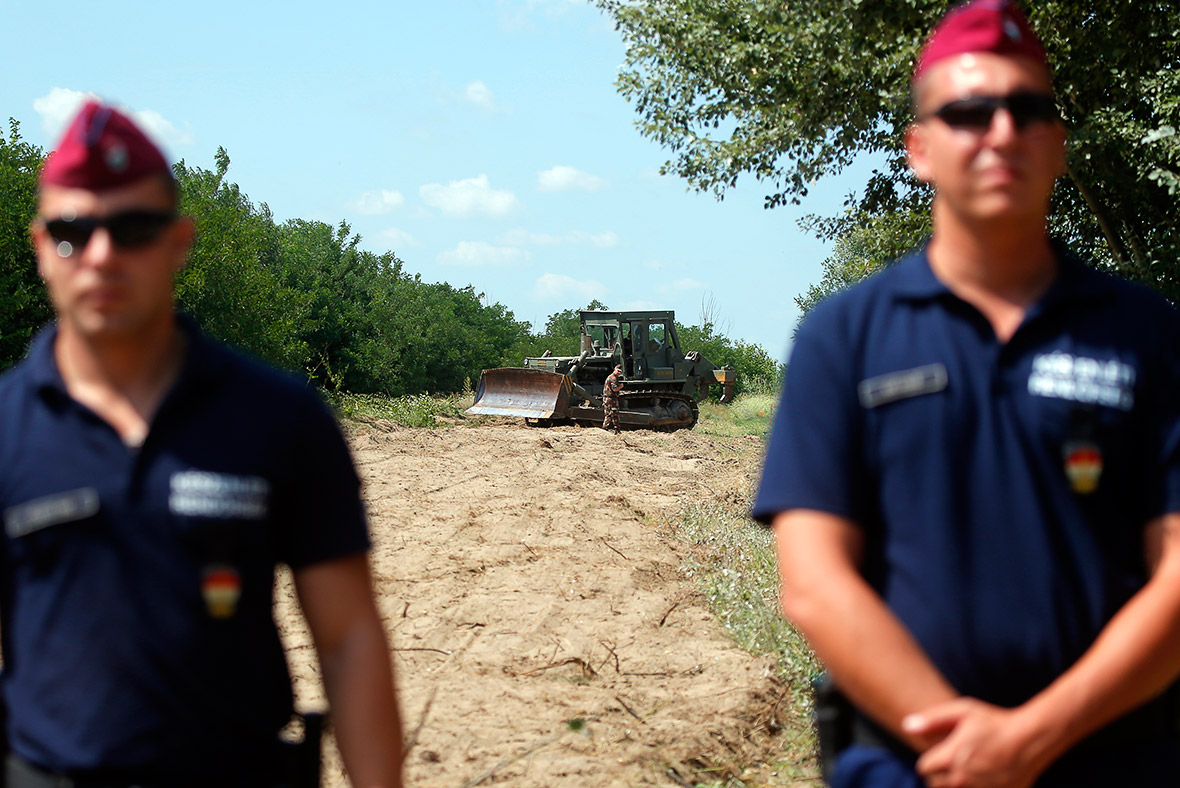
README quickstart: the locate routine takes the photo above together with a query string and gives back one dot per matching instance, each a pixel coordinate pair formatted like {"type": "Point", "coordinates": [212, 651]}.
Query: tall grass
{"type": "Point", "coordinates": [415, 410]}
{"type": "Point", "coordinates": [735, 568]}
{"type": "Point", "coordinates": [749, 414]}
{"type": "Point", "coordinates": [739, 576]}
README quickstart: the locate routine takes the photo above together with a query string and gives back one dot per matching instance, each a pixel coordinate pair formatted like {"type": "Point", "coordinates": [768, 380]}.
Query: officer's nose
{"type": "Point", "coordinates": [1003, 128]}
{"type": "Point", "coordinates": [99, 248]}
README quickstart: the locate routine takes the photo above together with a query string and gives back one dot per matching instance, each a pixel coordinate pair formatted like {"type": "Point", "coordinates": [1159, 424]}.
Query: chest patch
{"type": "Point", "coordinates": [892, 386]}
{"type": "Point", "coordinates": [219, 495]}
{"type": "Point", "coordinates": [1092, 381]}
{"type": "Point", "coordinates": [64, 507]}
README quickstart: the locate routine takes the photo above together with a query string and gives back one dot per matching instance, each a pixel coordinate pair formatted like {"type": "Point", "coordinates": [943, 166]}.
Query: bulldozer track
{"type": "Point", "coordinates": [627, 394]}
{"type": "Point", "coordinates": [624, 396]}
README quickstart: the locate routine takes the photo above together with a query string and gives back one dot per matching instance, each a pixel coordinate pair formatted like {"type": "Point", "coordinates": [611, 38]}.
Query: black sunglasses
{"type": "Point", "coordinates": [976, 113]}
{"type": "Point", "coordinates": [128, 230]}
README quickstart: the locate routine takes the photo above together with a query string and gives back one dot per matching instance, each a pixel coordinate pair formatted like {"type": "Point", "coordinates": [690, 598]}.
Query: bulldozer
{"type": "Point", "coordinates": [662, 385]}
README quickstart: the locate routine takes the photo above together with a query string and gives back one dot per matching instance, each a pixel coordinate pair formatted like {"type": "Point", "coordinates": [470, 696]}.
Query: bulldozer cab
{"type": "Point", "coordinates": [603, 337]}
{"type": "Point", "coordinates": [641, 342]}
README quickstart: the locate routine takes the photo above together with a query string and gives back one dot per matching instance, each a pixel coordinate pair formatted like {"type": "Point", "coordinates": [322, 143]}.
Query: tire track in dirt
{"type": "Point", "coordinates": [525, 583]}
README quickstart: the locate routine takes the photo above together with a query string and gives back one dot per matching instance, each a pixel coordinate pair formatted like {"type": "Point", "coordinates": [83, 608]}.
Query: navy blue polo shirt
{"type": "Point", "coordinates": [902, 412]}
{"type": "Point", "coordinates": [115, 662]}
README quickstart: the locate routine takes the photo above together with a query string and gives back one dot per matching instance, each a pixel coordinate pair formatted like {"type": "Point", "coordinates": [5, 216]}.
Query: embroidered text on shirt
{"type": "Point", "coordinates": [1080, 379]}
{"type": "Point", "coordinates": [208, 494]}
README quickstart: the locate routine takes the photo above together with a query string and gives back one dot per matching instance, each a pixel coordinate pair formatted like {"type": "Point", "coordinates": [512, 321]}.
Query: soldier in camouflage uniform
{"type": "Point", "coordinates": [610, 399]}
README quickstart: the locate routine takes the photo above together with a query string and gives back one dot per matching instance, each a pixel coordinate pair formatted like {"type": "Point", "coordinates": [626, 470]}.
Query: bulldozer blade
{"type": "Point", "coordinates": [524, 393]}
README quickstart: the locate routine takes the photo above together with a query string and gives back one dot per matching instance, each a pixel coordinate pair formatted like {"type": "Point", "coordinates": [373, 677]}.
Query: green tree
{"type": "Point", "coordinates": [563, 330]}
{"type": "Point", "coordinates": [867, 245]}
{"type": "Point", "coordinates": [341, 285]}
{"type": "Point", "coordinates": [230, 285]}
{"type": "Point", "coordinates": [24, 306]}
{"type": "Point", "coordinates": [561, 335]}
{"type": "Point", "coordinates": [757, 371]}
{"type": "Point", "coordinates": [567, 324]}
{"type": "Point", "coordinates": [372, 328]}
{"type": "Point", "coordinates": [460, 337]}
{"type": "Point", "coordinates": [791, 92]}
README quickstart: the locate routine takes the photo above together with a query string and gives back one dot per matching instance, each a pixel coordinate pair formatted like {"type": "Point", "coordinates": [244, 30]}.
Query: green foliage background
{"type": "Point", "coordinates": [787, 92]}
{"type": "Point", "coordinates": [303, 295]}
{"type": "Point", "coordinates": [23, 303]}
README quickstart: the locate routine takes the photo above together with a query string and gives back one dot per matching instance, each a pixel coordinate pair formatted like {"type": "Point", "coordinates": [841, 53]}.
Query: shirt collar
{"type": "Point", "coordinates": [1075, 280]}
{"type": "Point", "coordinates": [200, 362]}
{"type": "Point", "coordinates": [42, 366]}
{"type": "Point", "coordinates": [913, 278]}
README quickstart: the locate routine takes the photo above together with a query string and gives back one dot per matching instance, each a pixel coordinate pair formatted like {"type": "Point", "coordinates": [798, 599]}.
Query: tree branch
{"type": "Point", "coordinates": [1112, 239]}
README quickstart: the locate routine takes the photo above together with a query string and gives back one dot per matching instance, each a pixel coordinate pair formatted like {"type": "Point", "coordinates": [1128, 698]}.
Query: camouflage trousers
{"type": "Point", "coordinates": [610, 413]}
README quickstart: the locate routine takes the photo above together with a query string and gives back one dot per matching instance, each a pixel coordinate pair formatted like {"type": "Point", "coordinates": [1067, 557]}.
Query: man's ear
{"type": "Point", "coordinates": [915, 152]}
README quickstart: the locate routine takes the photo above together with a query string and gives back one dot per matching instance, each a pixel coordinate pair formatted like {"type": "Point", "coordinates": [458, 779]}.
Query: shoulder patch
{"type": "Point", "coordinates": [903, 384]}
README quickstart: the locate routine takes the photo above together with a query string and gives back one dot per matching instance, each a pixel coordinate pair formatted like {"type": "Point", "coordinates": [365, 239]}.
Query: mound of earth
{"type": "Point", "coordinates": [544, 632]}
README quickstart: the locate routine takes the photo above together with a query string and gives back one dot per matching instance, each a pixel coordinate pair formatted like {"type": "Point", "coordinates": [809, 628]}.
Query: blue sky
{"type": "Point", "coordinates": [483, 142]}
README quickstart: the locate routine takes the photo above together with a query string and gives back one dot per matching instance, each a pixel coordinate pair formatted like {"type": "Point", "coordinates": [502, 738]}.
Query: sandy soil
{"type": "Point", "coordinates": [544, 632]}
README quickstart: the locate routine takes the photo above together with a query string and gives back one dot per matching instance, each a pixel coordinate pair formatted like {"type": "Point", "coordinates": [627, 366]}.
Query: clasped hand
{"type": "Point", "coordinates": [978, 745]}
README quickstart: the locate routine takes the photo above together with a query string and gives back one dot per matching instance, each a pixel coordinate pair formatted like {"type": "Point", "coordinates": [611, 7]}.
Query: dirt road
{"type": "Point", "coordinates": [545, 634]}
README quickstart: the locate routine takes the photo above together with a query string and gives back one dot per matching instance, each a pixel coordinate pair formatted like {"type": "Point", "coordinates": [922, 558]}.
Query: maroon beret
{"type": "Point", "coordinates": [981, 26]}
{"type": "Point", "coordinates": [102, 149]}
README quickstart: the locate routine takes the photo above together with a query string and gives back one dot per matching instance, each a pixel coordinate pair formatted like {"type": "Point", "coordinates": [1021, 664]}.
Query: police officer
{"type": "Point", "coordinates": [974, 479]}
{"type": "Point", "coordinates": [150, 480]}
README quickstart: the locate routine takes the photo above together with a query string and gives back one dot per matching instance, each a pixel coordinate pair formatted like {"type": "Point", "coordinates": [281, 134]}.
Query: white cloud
{"type": "Point", "coordinates": [479, 253]}
{"type": "Point", "coordinates": [558, 287]}
{"type": "Point", "coordinates": [481, 95]}
{"type": "Point", "coordinates": [399, 237]}
{"type": "Point", "coordinates": [379, 202]}
{"type": "Point", "coordinates": [469, 197]}
{"type": "Point", "coordinates": [520, 237]}
{"type": "Point", "coordinates": [161, 128]}
{"type": "Point", "coordinates": [58, 107]}
{"type": "Point", "coordinates": [562, 178]}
